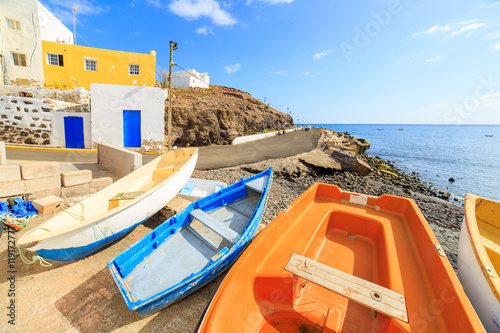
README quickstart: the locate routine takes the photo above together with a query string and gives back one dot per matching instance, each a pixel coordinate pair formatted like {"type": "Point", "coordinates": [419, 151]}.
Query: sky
{"type": "Point", "coordinates": [325, 61]}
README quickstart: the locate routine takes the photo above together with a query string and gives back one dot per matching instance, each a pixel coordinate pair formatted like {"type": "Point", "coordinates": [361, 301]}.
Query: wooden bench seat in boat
{"type": "Point", "coordinates": [215, 225]}
{"type": "Point", "coordinates": [126, 195]}
{"type": "Point", "coordinates": [371, 295]}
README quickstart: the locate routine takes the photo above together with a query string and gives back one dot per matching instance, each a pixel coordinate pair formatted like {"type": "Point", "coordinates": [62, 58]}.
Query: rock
{"type": "Point", "coordinates": [451, 179]}
{"type": "Point", "coordinates": [347, 160]}
{"type": "Point", "coordinates": [362, 168]}
{"type": "Point", "coordinates": [320, 160]}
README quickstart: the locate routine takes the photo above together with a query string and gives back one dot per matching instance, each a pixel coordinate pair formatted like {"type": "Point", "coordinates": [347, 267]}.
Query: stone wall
{"type": "Point", "coordinates": [25, 120]}
{"type": "Point", "coordinates": [75, 96]}
{"type": "Point", "coordinates": [33, 116]}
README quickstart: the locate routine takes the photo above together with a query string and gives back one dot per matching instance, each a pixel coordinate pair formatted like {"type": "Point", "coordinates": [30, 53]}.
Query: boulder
{"type": "Point", "coordinates": [362, 168]}
{"type": "Point", "coordinates": [346, 159]}
{"type": "Point", "coordinates": [320, 160]}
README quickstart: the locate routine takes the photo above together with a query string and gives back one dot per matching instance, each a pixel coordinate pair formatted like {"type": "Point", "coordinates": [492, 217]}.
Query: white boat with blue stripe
{"type": "Point", "coordinates": [112, 212]}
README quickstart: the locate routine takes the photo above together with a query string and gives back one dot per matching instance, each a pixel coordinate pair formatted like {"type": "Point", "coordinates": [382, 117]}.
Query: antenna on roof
{"type": "Point", "coordinates": [74, 23]}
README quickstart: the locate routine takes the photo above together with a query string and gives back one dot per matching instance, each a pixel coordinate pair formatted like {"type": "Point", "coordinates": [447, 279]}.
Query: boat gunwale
{"type": "Point", "coordinates": [248, 232]}
{"type": "Point", "coordinates": [95, 219]}
{"type": "Point", "coordinates": [477, 245]}
{"type": "Point", "coordinates": [210, 313]}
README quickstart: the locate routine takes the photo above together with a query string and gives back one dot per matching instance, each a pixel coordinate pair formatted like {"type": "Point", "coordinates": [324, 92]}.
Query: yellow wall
{"type": "Point", "coordinates": [112, 67]}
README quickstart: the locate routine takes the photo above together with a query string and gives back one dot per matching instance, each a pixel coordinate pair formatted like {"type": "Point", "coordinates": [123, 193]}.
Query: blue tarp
{"type": "Point", "coordinates": [20, 209]}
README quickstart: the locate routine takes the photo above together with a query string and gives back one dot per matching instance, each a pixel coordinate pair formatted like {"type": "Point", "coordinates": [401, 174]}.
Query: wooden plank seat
{"type": "Point", "coordinates": [371, 295]}
{"type": "Point", "coordinates": [215, 225]}
{"type": "Point", "coordinates": [126, 195]}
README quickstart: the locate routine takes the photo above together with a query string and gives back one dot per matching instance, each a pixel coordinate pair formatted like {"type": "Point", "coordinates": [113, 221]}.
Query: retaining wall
{"type": "Point", "coordinates": [248, 138]}
{"type": "Point", "coordinates": [120, 161]}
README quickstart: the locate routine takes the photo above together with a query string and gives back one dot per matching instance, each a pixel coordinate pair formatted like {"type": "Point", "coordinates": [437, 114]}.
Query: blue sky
{"type": "Point", "coordinates": [328, 61]}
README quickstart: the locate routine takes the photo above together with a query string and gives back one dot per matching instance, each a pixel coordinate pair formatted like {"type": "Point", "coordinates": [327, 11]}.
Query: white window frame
{"type": "Point", "coordinates": [13, 24]}
{"type": "Point", "coordinates": [16, 56]}
{"type": "Point", "coordinates": [53, 59]}
{"type": "Point", "coordinates": [91, 65]}
{"type": "Point", "coordinates": [133, 69]}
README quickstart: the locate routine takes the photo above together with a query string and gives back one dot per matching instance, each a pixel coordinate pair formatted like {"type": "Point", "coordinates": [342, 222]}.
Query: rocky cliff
{"type": "Point", "coordinates": [217, 115]}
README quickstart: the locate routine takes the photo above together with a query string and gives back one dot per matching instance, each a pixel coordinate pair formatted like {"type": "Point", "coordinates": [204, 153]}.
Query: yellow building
{"type": "Point", "coordinates": [66, 66]}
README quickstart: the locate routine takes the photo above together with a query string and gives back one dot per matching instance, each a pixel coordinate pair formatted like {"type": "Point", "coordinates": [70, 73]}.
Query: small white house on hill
{"type": "Point", "coordinates": [190, 78]}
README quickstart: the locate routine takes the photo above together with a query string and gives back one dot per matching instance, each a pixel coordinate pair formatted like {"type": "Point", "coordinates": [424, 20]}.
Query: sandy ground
{"type": "Point", "coordinates": [83, 297]}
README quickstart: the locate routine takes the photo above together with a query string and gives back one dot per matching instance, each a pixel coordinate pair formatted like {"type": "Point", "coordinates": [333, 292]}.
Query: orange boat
{"type": "Point", "coordinates": [342, 262]}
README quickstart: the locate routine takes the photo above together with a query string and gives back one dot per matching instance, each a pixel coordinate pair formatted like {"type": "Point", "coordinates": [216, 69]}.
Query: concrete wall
{"type": "Point", "coordinates": [119, 161]}
{"type": "Point", "coordinates": [108, 103]}
{"type": "Point", "coordinates": [3, 156]}
{"type": "Point", "coordinates": [190, 78]}
{"type": "Point", "coordinates": [51, 28]}
{"type": "Point", "coordinates": [248, 138]}
{"type": "Point", "coordinates": [25, 41]}
{"type": "Point", "coordinates": [112, 67]}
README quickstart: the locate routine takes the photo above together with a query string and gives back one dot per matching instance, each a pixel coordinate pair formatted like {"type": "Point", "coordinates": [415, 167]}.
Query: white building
{"type": "Point", "coordinates": [128, 116]}
{"type": "Point", "coordinates": [23, 26]}
{"type": "Point", "coordinates": [190, 78]}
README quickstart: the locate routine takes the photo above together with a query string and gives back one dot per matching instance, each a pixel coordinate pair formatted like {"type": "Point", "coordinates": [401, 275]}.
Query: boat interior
{"type": "Point", "coordinates": [362, 260]}
{"type": "Point", "coordinates": [189, 242]}
{"type": "Point", "coordinates": [488, 224]}
{"type": "Point", "coordinates": [120, 193]}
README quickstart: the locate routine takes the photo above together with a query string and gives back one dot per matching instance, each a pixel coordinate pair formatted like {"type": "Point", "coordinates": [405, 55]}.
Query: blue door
{"type": "Point", "coordinates": [73, 132]}
{"type": "Point", "coordinates": [131, 128]}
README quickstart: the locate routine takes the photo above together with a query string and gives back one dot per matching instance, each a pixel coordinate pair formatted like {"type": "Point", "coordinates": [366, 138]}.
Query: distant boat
{"type": "Point", "coordinates": [478, 258]}
{"type": "Point", "coordinates": [489, 135]}
{"type": "Point", "coordinates": [380, 129]}
{"type": "Point", "coordinates": [337, 261]}
{"type": "Point", "coordinates": [400, 129]}
{"type": "Point", "coordinates": [112, 212]}
{"type": "Point", "coordinates": [192, 247]}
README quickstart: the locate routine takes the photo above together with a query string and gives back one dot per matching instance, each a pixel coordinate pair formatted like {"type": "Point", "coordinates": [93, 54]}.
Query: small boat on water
{"type": "Point", "coordinates": [488, 135]}
{"type": "Point", "coordinates": [192, 247]}
{"type": "Point", "coordinates": [337, 261]}
{"type": "Point", "coordinates": [112, 212]}
{"type": "Point", "coordinates": [479, 258]}
{"type": "Point", "coordinates": [196, 188]}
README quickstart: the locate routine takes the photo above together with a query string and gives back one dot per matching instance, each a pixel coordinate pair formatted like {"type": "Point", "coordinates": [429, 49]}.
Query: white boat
{"type": "Point", "coordinates": [196, 188]}
{"type": "Point", "coordinates": [114, 211]}
{"type": "Point", "coordinates": [479, 258]}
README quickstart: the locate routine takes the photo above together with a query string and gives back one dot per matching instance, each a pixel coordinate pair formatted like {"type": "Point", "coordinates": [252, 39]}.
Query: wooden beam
{"type": "Point", "coordinates": [371, 295]}
{"type": "Point", "coordinates": [126, 195]}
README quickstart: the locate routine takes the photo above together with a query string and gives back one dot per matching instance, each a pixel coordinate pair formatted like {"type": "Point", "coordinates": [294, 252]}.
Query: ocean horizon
{"type": "Point", "coordinates": [468, 153]}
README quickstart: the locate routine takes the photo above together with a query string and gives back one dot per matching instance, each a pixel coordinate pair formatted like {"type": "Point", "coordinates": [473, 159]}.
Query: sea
{"type": "Point", "coordinates": [468, 153]}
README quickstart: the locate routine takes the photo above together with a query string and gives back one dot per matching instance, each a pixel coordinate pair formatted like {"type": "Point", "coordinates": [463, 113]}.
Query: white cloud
{"type": "Point", "coordinates": [496, 46]}
{"type": "Point", "coordinates": [205, 30]}
{"type": "Point", "coordinates": [194, 9]}
{"type": "Point", "coordinates": [154, 3]}
{"type": "Point", "coordinates": [272, 2]}
{"type": "Point", "coordinates": [436, 58]}
{"type": "Point", "coordinates": [470, 28]}
{"type": "Point", "coordinates": [232, 68]}
{"type": "Point", "coordinates": [434, 29]}
{"type": "Point", "coordinates": [63, 9]}
{"type": "Point", "coordinates": [321, 54]}
{"type": "Point", "coordinates": [493, 35]}
{"type": "Point", "coordinates": [456, 28]}
{"type": "Point", "coordinates": [305, 74]}
{"type": "Point", "coordinates": [280, 72]}
{"type": "Point", "coordinates": [437, 106]}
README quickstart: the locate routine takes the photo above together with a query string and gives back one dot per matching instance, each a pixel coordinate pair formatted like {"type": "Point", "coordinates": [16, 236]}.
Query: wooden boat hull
{"type": "Point", "coordinates": [378, 254]}
{"type": "Point", "coordinates": [90, 229]}
{"type": "Point", "coordinates": [478, 254]}
{"type": "Point", "coordinates": [150, 280]}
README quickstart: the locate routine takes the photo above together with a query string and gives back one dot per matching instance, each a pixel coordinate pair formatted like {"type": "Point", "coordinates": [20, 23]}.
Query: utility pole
{"type": "Point", "coordinates": [74, 23]}
{"type": "Point", "coordinates": [263, 114]}
{"type": "Point", "coordinates": [173, 46]}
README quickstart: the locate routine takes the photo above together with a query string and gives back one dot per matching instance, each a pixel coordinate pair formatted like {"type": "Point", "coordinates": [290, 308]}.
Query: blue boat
{"type": "Point", "coordinates": [192, 247]}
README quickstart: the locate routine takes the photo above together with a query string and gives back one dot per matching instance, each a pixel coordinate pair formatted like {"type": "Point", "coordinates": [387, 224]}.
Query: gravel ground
{"type": "Point", "coordinates": [444, 217]}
